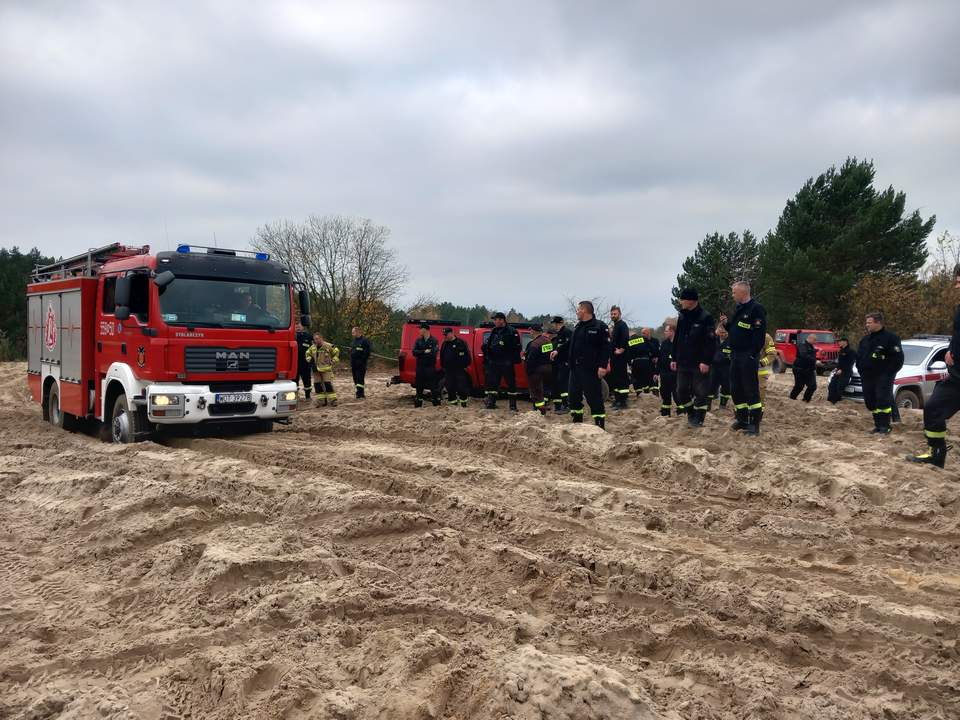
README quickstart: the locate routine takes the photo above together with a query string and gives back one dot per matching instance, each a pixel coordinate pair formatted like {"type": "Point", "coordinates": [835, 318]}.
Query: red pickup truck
{"type": "Point", "coordinates": [786, 343]}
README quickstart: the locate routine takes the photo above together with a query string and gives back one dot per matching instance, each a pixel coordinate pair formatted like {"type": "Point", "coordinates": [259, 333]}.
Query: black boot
{"type": "Point", "coordinates": [681, 410]}
{"type": "Point", "coordinates": [665, 412]}
{"type": "Point", "coordinates": [558, 408]}
{"type": "Point", "coordinates": [564, 406]}
{"type": "Point", "coordinates": [491, 402]}
{"type": "Point", "coordinates": [418, 402]}
{"type": "Point", "coordinates": [436, 402]}
{"type": "Point", "coordinates": [359, 393]}
{"type": "Point", "coordinates": [599, 422]}
{"type": "Point", "coordinates": [742, 421]}
{"type": "Point", "coordinates": [655, 391]}
{"type": "Point", "coordinates": [695, 418]}
{"type": "Point", "coordinates": [513, 403]}
{"type": "Point", "coordinates": [881, 422]}
{"type": "Point", "coordinates": [306, 394]}
{"type": "Point", "coordinates": [935, 455]}
{"type": "Point", "coordinates": [577, 417]}
{"type": "Point", "coordinates": [463, 403]}
{"type": "Point", "coordinates": [753, 427]}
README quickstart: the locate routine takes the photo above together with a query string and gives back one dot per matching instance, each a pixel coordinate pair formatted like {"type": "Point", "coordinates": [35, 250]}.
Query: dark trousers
{"type": "Point", "coordinates": [427, 377]}
{"type": "Point", "coordinates": [803, 378]}
{"type": "Point", "coordinates": [584, 381]}
{"type": "Point", "coordinates": [744, 382]}
{"type": "Point", "coordinates": [642, 374]}
{"type": "Point", "coordinates": [618, 378]}
{"type": "Point", "coordinates": [359, 370]}
{"type": "Point", "coordinates": [942, 405]}
{"type": "Point", "coordinates": [693, 388]}
{"type": "Point", "coordinates": [457, 384]}
{"type": "Point", "coordinates": [835, 388]}
{"type": "Point", "coordinates": [878, 396]}
{"type": "Point", "coordinates": [720, 380]}
{"type": "Point", "coordinates": [668, 389]}
{"type": "Point", "coordinates": [303, 373]}
{"type": "Point", "coordinates": [536, 378]}
{"type": "Point", "coordinates": [561, 386]}
{"type": "Point", "coordinates": [494, 374]}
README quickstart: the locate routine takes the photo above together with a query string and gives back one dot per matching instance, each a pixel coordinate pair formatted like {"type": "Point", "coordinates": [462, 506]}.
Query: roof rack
{"type": "Point", "coordinates": [87, 264]}
{"type": "Point", "coordinates": [451, 323]}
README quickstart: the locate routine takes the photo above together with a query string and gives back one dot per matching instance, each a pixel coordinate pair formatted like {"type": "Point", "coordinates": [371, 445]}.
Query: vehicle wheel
{"type": "Point", "coordinates": [778, 366]}
{"type": "Point", "coordinates": [442, 387]}
{"type": "Point", "coordinates": [605, 389]}
{"type": "Point", "coordinates": [124, 422]}
{"type": "Point", "coordinates": [908, 400]}
{"type": "Point", "coordinates": [263, 426]}
{"type": "Point", "coordinates": [59, 418]}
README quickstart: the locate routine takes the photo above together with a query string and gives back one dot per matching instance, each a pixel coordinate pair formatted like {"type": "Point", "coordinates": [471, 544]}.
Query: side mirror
{"type": "Point", "coordinates": [164, 278]}
{"type": "Point", "coordinates": [939, 365]}
{"type": "Point", "coordinates": [121, 295]}
{"type": "Point", "coordinates": [305, 320]}
{"type": "Point", "coordinates": [121, 312]}
{"type": "Point", "coordinates": [304, 297]}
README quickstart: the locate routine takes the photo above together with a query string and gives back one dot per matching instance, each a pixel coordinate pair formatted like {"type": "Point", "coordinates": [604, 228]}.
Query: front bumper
{"type": "Point", "coordinates": [192, 404]}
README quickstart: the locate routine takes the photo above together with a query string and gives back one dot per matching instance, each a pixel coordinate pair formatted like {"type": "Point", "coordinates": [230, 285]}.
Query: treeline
{"type": "Point", "coordinates": [841, 249]}
{"type": "Point", "coordinates": [15, 269]}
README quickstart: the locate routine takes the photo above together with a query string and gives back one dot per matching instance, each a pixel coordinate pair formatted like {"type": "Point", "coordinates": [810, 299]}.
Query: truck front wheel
{"type": "Point", "coordinates": [124, 422]}
{"type": "Point", "coordinates": [59, 418]}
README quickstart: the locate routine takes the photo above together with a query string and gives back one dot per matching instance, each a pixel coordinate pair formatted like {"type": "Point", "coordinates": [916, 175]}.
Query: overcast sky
{"type": "Point", "coordinates": [519, 152]}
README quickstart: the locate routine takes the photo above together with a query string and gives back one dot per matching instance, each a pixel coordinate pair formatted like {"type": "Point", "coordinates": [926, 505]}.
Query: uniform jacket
{"type": "Point", "coordinates": [879, 353]}
{"type": "Point", "coordinates": [359, 350]}
{"type": "Point", "coordinates": [806, 356]}
{"type": "Point", "coordinates": [694, 341]}
{"type": "Point", "coordinates": [721, 355]}
{"type": "Point", "coordinates": [538, 353]}
{"type": "Point", "coordinates": [420, 347]}
{"type": "Point", "coordinates": [768, 356]}
{"type": "Point", "coordinates": [955, 347]}
{"type": "Point", "coordinates": [304, 341]}
{"type": "Point", "coordinates": [590, 344]}
{"type": "Point", "coordinates": [846, 360]}
{"type": "Point", "coordinates": [665, 358]}
{"type": "Point", "coordinates": [561, 343]}
{"type": "Point", "coordinates": [748, 327]}
{"type": "Point", "coordinates": [502, 347]}
{"type": "Point", "coordinates": [620, 337]}
{"type": "Point", "coordinates": [641, 348]}
{"type": "Point", "coordinates": [322, 357]}
{"type": "Point", "coordinates": [455, 355]}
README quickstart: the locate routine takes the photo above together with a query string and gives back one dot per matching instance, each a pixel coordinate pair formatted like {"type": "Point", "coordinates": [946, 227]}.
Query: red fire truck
{"type": "Point", "coordinates": [143, 341]}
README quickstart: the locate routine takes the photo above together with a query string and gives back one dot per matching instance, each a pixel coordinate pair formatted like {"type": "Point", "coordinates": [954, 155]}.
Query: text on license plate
{"type": "Point", "coordinates": [234, 397]}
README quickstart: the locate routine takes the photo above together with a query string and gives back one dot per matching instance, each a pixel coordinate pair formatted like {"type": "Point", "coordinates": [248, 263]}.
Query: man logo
{"type": "Point", "coordinates": [233, 356]}
{"type": "Point", "coordinates": [233, 365]}
{"type": "Point", "coordinates": [141, 356]}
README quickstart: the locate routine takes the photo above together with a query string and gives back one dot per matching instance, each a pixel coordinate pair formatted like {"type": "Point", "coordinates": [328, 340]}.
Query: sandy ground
{"type": "Point", "coordinates": [373, 561]}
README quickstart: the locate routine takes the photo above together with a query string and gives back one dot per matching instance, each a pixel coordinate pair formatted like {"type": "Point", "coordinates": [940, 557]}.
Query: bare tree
{"type": "Point", "coordinates": [353, 277]}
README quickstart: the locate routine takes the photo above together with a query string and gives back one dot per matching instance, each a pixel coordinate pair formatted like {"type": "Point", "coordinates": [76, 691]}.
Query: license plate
{"type": "Point", "coordinates": [234, 398]}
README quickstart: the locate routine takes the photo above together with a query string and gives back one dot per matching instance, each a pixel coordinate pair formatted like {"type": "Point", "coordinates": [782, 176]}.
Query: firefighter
{"type": "Point", "coordinates": [321, 357]}
{"type": "Point", "coordinates": [693, 354]}
{"type": "Point", "coordinates": [666, 377]}
{"type": "Point", "coordinates": [619, 360]}
{"type": "Point", "coordinates": [455, 358]}
{"type": "Point", "coordinates": [720, 370]}
{"type": "Point", "coordinates": [425, 350]}
{"type": "Point", "coordinates": [359, 352]}
{"type": "Point", "coordinates": [551, 390]}
{"type": "Point", "coordinates": [561, 387]}
{"type": "Point", "coordinates": [845, 362]}
{"type": "Point", "coordinates": [589, 356]}
{"type": "Point", "coordinates": [304, 341]}
{"type": "Point", "coordinates": [767, 356]}
{"type": "Point", "coordinates": [643, 356]}
{"type": "Point", "coordinates": [501, 353]}
{"type": "Point", "coordinates": [945, 401]}
{"type": "Point", "coordinates": [748, 333]}
{"type": "Point", "coordinates": [538, 366]}
{"type": "Point", "coordinates": [879, 357]}
{"type": "Point", "coordinates": [805, 368]}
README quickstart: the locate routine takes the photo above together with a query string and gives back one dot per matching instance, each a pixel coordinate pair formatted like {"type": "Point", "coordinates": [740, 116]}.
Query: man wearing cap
{"type": "Point", "coordinates": [359, 353]}
{"type": "Point", "coordinates": [551, 391]}
{"type": "Point", "coordinates": [561, 345]}
{"type": "Point", "coordinates": [425, 350]}
{"type": "Point", "coordinates": [644, 351]}
{"type": "Point", "coordinates": [845, 362]}
{"type": "Point", "coordinates": [304, 341]}
{"type": "Point", "coordinates": [538, 366]}
{"type": "Point", "coordinates": [748, 334]}
{"type": "Point", "coordinates": [589, 356]}
{"type": "Point", "coordinates": [501, 352]}
{"type": "Point", "coordinates": [693, 348]}
{"type": "Point", "coordinates": [455, 358]}
{"type": "Point", "coordinates": [619, 360]}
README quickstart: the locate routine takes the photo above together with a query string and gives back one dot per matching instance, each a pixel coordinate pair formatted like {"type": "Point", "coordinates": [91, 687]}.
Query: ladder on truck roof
{"type": "Point", "coordinates": [87, 264]}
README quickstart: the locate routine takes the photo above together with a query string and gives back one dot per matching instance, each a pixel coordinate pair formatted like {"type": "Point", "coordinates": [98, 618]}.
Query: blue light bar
{"type": "Point", "coordinates": [262, 256]}
{"type": "Point", "coordinates": [183, 248]}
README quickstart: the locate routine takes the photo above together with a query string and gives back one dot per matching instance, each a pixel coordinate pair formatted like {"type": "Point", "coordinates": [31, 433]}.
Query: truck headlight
{"type": "Point", "coordinates": [165, 399]}
{"type": "Point", "coordinates": [289, 396]}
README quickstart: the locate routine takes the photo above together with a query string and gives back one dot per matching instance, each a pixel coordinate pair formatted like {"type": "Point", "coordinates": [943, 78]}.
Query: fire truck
{"type": "Point", "coordinates": [143, 342]}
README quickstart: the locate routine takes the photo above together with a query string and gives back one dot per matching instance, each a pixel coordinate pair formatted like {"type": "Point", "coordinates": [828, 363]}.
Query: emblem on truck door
{"type": "Point", "coordinates": [50, 337]}
{"type": "Point", "coordinates": [141, 356]}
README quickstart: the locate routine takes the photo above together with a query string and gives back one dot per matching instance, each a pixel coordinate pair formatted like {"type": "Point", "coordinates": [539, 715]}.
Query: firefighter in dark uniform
{"type": "Point", "coordinates": [720, 371]}
{"type": "Point", "coordinates": [845, 362]}
{"type": "Point", "coordinates": [561, 388]}
{"type": "Point", "coordinates": [501, 353]}
{"type": "Point", "coordinates": [539, 366]}
{"type": "Point", "coordinates": [643, 356]}
{"type": "Point", "coordinates": [620, 360]}
{"type": "Point", "coordinates": [945, 401]}
{"type": "Point", "coordinates": [359, 353]}
{"type": "Point", "coordinates": [805, 368]}
{"type": "Point", "coordinates": [304, 341]}
{"type": "Point", "coordinates": [879, 357]}
{"type": "Point", "coordinates": [589, 356]}
{"type": "Point", "coordinates": [455, 358]}
{"type": "Point", "coordinates": [693, 355]}
{"type": "Point", "coordinates": [550, 390]}
{"type": "Point", "coordinates": [425, 350]}
{"type": "Point", "coordinates": [666, 377]}
{"type": "Point", "coordinates": [748, 333]}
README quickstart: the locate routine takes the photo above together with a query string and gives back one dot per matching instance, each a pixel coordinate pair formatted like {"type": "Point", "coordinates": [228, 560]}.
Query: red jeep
{"type": "Point", "coordinates": [786, 343]}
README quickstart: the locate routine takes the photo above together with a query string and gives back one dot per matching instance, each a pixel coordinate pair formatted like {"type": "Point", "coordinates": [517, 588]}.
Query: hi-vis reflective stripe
{"type": "Point", "coordinates": [635, 341]}
{"type": "Point", "coordinates": [932, 434]}
{"type": "Point", "coordinates": [547, 347]}
{"type": "Point", "coordinates": [741, 323]}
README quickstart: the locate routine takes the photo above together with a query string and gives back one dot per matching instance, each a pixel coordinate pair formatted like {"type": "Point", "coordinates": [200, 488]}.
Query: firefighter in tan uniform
{"type": "Point", "coordinates": [321, 357]}
{"type": "Point", "coordinates": [767, 356]}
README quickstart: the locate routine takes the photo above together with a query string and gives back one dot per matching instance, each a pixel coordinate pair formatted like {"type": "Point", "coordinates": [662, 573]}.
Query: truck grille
{"type": "Point", "coordinates": [223, 360]}
{"type": "Point", "coordinates": [831, 354]}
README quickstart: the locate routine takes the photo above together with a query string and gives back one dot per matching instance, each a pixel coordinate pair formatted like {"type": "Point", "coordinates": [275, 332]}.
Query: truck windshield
{"type": "Point", "coordinates": [225, 303]}
{"type": "Point", "coordinates": [825, 338]}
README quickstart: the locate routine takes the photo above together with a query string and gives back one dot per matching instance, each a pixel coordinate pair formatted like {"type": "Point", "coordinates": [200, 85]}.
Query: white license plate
{"type": "Point", "coordinates": [234, 398]}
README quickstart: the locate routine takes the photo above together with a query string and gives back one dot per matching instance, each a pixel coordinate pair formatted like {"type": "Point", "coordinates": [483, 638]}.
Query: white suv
{"type": "Point", "coordinates": [923, 366]}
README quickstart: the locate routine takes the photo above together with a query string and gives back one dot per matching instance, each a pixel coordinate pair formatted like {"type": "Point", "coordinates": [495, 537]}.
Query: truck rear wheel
{"type": "Point", "coordinates": [59, 418]}
{"type": "Point", "coordinates": [778, 366]}
{"type": "Point", "coordinates": [125, 423]}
